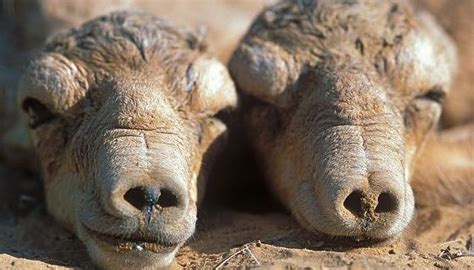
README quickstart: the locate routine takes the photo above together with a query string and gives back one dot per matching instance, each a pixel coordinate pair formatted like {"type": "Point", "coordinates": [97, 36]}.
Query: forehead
{"type": "Point", "coordinates": [126, 41]}
{"type": "Point", "coordinates": [409, 51]}
{"type": "Point", "coordinates": [426, 59]}
{"type": "Point", "coordinates": [118, 53]}
{"type": "Point", "coordinates": [406, 48]}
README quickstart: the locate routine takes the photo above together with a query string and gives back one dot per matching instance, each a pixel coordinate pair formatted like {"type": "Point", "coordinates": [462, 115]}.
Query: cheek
{"type": "Point", "coordinates": [49, 143]}
{"type": "Point", "coordinates": [201, 166]}
{"type": "Point", "coordinates": [266, 122]}
{"type": "Point", "coordinates": [410, 152]}
{"type": "Point", "coordinates": [282, 149]}
{"type": "Point", "coordinates": [210, 141]}
{"type": "Point", "coordinates": [421, 119]}
{"type": "Point", "coordinates": [197, 174]}
{"type": "Point", "coordinates": [287, 165]}
{"type": "Point", "coordinates": [61, 191]}
{"type": "Point", "coordinates": [83, 150]}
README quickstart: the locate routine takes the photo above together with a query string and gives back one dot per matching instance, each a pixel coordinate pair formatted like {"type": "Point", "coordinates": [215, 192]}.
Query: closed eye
{"type": "Point", "coordinates": [436, 95]}
{"type": "Point", "coordinates": [37, 112]}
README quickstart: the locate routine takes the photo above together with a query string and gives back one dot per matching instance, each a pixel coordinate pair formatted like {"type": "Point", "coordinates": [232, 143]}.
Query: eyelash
{"type": "Point", "coordinates": [38, 113]}
{"type": "Point", "coordinates": [436, 95]}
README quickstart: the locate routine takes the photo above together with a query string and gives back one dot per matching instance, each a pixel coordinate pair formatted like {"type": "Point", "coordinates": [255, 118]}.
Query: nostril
{"type": "Point", "coordinates": [139, 197]}
{"type": "Point", "coordinates": [167, 199]}
{"type": "Point", "coordinates": [142, 198]}
{"type": "Point", "coordinates": [353, 203]}
{"type": "Point", "coordinates": [387, 202]}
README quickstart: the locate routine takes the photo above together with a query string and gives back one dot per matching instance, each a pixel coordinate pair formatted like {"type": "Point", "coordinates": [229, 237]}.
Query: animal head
{"type": "Point", "coordinates": [121, 112]}
{"type": "Point", "coordinates": [341, 97]}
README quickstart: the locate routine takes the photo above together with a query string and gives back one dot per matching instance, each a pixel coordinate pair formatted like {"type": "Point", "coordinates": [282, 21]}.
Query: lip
{"type": "Point", "coordinates": [361, 240]}
{"type": "Point", "coordinates": [129, 244]}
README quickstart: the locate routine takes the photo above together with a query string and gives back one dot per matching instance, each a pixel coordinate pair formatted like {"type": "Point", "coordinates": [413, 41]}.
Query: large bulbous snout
{"type": "Point", "coordinates": [357, 184]}
{"type": "Point", "coordinates": [370, 205]}
{"type": "Point", "coordinates": [138, 205]}
{"type": "Point", "coordinates": [160, 203]}
{"type": "Point", "coordinates": [371, 210]}
{"type": "Point", "coordinates": [361, 210]}
{"type": "Point", "coordinates": [147, 199]}
{"type": "Point", "coordinates": [364, 209]}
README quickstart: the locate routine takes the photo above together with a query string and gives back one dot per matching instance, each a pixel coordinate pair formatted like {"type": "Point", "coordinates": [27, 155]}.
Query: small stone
{"type": "Point", "coordinates": [391, 251]}
{"type": "Point", "coordinates": [139, 247]}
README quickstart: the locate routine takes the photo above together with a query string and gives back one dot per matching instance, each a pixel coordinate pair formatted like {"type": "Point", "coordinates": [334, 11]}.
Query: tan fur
{"type": "Point", "coordinates": [444, 172]}
{"type": "Point", "coordinates": [223, 22]}
{"type": "Point", "coordinates": [130, 102]}
{"type": "Point", "coordinates": [341, 97]}
{"type": "Point", "coordinates": [456, 18]}
{"type": "Point", "coordinates": [26, 24]}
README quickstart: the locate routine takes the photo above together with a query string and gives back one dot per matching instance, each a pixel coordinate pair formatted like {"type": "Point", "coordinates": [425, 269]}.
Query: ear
{"type": "Point", "coordinates": [211, 86]}
{"type": "Point", "coordinates": [265, 71]}
{"type": "Point", "coordinates": [55, 80]}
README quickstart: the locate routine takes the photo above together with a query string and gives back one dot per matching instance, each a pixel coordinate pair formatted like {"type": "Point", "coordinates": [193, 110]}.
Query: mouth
{"type": "Point", "coordinates": [359, 237]}
{"type": "Point", "coordinates": [362, 239]}
{"type": "Point", "coordinates": [131, 242]}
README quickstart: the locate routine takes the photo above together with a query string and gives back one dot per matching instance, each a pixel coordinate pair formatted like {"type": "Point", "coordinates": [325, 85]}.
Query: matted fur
{"type": "Point", "coordinates": [126, 101]}
{"type": "Point", "coordinates": [341, 97]}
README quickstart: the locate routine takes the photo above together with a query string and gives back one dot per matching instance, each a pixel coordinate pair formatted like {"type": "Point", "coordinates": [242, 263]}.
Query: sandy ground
{"type": "Point", "coordinates": [225, 237]}
{"type": "Point", "coordinates": [235, 237]}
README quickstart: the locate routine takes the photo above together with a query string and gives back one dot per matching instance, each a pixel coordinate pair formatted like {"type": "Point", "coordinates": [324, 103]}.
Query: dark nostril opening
{"type": "Point", "coordinates": [387, 202]}
{"type": "Point", "coordinates": [142, 198]}
{"type": "Point", "coordinates": [353, 203]}
{"type": "Point", "coordinates": [139, 197]}
{"type": "Point", "coordinates": [167, 199]}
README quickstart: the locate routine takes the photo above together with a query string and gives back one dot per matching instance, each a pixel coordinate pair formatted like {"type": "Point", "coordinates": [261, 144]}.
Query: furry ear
{"type": "Point", "coordinates": [265, 71]}
{"type": "Point", "coordinates": [55, 80]}
{"type": "Point", "coordinates": [211, 86]}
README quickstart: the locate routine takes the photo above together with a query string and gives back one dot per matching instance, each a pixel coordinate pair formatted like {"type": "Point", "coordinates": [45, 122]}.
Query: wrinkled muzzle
{"type": "Point", "coordinates": [137, 197]}
{"type": "Point", "coordinates": [355, 176]}
{"type": "Point", "coordinates": [360, 183]}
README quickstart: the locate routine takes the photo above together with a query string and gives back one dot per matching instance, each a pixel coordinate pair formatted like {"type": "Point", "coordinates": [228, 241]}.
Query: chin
{"type": "Point", "coordinates": [128, 259]}
{"type": "Point", "coordinates": [355, 233]}
{"type": "Point", "coordinates": [117, 253]}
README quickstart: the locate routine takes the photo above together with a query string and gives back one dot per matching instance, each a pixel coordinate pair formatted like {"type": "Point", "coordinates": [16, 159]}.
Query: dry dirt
{"type": "Point", "coordinates": [236, 237]}
{"type": "Point", "coordinates": [243, 238]}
